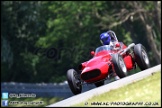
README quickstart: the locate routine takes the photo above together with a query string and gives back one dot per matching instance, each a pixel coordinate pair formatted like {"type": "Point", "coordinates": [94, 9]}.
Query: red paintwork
{"type": "Point", "coordinates": [117, 45]}
{"type": "Point", "coordinates": [102, 62]}
{"type": "Point", "coordinates": [128, 62]}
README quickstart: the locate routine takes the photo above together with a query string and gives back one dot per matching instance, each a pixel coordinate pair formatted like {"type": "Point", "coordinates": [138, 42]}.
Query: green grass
{"type": "Point", "coordinates": [45, 101]}
{"type": "Point", "coordinates": [146, 92]}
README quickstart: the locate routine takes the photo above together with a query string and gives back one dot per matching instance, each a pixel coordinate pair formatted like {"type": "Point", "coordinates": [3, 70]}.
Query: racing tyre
{"type": "Point", "coordinates": [119, 65]}
{"type": "Point", "coordinates": [100, 83]}
{"type": "Point", "coordinates": [141, 57]}
{"type": "Point", "coordinates": [74, 81]}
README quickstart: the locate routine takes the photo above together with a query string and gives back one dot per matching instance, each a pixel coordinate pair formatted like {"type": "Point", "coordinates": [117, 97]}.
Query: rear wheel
{"type": "Point", "coordinates": [119, 65]}
{"type": "Point", "coordinates": [141, 57]}
{"type": "Point", "coordinates": [74, 81]}
{"type": "Point", "coordinates": [100, 83]}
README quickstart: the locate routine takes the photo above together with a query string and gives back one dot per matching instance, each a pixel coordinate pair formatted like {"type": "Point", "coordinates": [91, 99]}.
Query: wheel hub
{"type": "Point", "coordinates": [145, 57]}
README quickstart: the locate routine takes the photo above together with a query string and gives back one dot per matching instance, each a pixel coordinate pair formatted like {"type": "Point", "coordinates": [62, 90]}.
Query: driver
{"type": "Point", "coordinates": [109, 38]}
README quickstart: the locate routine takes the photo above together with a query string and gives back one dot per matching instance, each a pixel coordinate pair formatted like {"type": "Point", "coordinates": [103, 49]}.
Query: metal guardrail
{"type": "Point", "coordinates": [41, 89]}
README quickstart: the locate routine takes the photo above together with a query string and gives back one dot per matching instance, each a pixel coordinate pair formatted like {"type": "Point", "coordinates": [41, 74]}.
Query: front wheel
{"type": "Point", "coordinates": [119, 65]}
{"type": "Point", "coordinates": [141, 57]}
{"type": "Point", "coordinates": [74, 81]}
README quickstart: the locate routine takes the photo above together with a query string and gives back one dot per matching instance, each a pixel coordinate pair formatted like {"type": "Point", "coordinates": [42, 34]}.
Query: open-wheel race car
{"type": "Point", "coordinates": [108, 62]}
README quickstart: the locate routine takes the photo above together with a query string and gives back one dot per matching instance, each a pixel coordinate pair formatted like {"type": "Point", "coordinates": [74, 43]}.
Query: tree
{"type": "Point", "coordinates": [20, 27]}
{"type": "Point", "coordinates": [41, 40]}
{"type": "Point", "coordinates": [147, 13]}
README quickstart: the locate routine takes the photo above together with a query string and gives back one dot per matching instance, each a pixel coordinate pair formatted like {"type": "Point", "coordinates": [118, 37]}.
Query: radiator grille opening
{"type": "Point", "coordinates": [90, 74]}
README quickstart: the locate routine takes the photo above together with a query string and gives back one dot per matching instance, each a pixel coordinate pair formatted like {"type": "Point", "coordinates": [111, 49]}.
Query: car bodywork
{"type": "Point", "coordinates": [108, 61]}
{"type": "Point", "coordinates": [100, 65]}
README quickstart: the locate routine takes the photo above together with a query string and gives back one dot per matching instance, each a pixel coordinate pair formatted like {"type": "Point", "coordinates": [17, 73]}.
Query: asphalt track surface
{"type": "Point", "coordinates": [105, 88]}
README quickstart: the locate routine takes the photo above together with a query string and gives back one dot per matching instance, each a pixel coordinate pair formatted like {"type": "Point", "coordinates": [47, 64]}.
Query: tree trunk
{"type": "Point", "coordinates": [148, 29]}
{"type": "Point", "coordinates": [158, 14]}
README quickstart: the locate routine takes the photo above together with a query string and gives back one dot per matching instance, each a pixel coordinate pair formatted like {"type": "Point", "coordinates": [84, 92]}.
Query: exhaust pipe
{"type": "Point", "coordinates": [125, 50]}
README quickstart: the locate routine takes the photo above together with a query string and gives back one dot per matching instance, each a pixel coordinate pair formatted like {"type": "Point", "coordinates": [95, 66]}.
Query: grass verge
{"type": "Point", "coordinates": [143, 93]}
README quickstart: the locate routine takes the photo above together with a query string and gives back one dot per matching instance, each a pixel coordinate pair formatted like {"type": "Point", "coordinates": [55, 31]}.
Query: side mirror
{"type": "Point", "coordinates": [92, 53]}
{"type": "Point", "coordinates": [117, 45]}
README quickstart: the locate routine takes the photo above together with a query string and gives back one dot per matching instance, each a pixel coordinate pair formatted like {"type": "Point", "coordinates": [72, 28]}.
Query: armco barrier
{"type": "Point", "coordinates": [41, 89]}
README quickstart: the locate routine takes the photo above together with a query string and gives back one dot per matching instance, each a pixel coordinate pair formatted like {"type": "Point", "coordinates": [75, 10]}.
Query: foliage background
{"type": "Point", "coordinates": [41, 40]}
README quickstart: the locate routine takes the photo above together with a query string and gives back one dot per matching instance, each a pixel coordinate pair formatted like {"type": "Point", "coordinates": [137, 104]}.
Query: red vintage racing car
{"type": "Point", "coordinates": [108, 62]}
